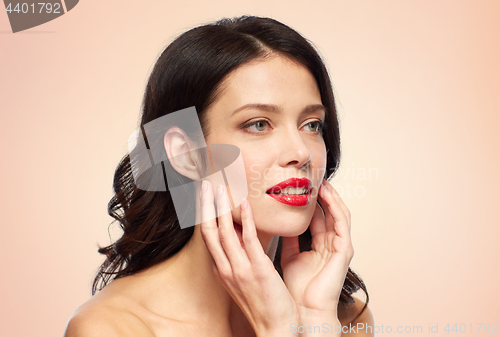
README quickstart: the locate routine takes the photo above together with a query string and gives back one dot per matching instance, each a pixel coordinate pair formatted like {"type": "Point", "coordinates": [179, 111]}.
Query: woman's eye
{"type": "Point", "coordinates": [257, 126]}
{"type": "Point", "coordinates": [261, 125]}
{"type": "Point", "coordinates": [316, 126]}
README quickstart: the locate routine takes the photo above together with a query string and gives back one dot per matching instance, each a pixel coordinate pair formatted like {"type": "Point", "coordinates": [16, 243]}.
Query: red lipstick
{"type": "Point", "coordinates": [275, 192]}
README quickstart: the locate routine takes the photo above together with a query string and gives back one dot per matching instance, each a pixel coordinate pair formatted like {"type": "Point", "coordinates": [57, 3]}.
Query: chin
{"type": "Point", "coordinates": [286, 224]}
{"type": "Point", "coordinates": [276, 222]}
{"type": "Point", "coordinates": [289, 229]}
{"type": "Point", "coordinates": [271, 228]}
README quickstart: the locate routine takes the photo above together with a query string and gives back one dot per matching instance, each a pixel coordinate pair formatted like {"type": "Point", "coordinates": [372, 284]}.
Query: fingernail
{"type": "Point", "coordinates": [219, 190]}
{"type": "Point", "coordinates": [244, 204]}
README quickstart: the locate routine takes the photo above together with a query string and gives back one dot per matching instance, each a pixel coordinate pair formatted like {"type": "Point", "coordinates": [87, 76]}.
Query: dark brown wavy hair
{"type": "Point", "coordinates": [189, 73]}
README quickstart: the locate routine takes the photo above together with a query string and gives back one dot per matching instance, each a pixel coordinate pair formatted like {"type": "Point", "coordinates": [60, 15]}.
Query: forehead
{"type": "Point", "coordinates": [273, 80]}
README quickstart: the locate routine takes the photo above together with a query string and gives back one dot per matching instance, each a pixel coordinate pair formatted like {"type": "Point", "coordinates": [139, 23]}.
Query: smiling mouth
{"type": "Point", "coordinates": [292, 187]}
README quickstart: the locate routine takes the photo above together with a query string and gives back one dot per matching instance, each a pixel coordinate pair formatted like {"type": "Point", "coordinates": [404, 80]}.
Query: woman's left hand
{"type": "Point", "coordinates": [315, 278]}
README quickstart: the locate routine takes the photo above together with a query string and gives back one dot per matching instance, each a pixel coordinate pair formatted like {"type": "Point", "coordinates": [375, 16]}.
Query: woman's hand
{"type": "Point", "coordinates": [244, 269]}
{"type": "Point", "coordinates": [315, 277]}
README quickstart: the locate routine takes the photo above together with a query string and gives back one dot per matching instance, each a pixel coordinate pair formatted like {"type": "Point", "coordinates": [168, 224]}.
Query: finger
{"type": "Point", "coordinates": [227, 234]}
{"type": "Point", "coordinates": [251, 242]}
{"type": "Point", "coordinates": [334, 216]}
{"type": "Point", "coordinates": [329, 218]}
{"type": "Point", "coordinates": [317, 225]}
{"type": "Point", "coordinates": [208, 228]}
{"type": "Point", "coordinates": [339, 200]}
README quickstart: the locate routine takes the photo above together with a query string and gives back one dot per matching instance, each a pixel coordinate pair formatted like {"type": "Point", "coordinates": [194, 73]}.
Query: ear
{"type": "Point", "coordinates": [179, 148]}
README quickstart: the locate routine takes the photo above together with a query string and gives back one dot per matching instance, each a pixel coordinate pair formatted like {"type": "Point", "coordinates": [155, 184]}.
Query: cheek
{"type": "Point", "coordinates": [253, 176]}
{"type": "Point", "coordinates": [318, 169]}
{"type": "Point", "coordinates": [321, 165]}
{"type": "Point", "coordinates": [322, 156]}
{"type": "Point", "coordinates": [254, 171]}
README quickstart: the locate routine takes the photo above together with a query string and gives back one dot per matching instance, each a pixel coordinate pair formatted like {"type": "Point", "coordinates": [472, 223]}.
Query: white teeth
{"type": "Point", "coordinates": [292, 191]}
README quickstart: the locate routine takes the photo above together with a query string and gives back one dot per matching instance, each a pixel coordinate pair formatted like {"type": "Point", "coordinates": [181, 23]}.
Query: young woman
{"type": "Point", "coordinates": [259, 85]}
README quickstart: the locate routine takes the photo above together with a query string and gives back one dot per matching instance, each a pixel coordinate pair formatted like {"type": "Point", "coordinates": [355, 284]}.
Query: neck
{"type": "Point", "coordinates": [199, 297]}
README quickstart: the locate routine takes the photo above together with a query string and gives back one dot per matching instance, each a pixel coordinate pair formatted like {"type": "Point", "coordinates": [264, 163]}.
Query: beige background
{"type": "Point", "coordinates": [417, 86]}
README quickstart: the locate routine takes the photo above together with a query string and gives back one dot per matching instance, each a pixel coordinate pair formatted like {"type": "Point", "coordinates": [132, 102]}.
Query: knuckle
{"type": "Point", "coordinates": [262, 273]}
{"type": "Point", "coordinates": [207, 235]}
{"type": "Point", "coordinates": [351, 252]}
{"type": "Point", "coordinates": [240, 275]}
{"type": "Point", "coordinates": [348, 213]}
{"type": "Point", "coordinates": [223, 241]}
{"type": "Point", "coordinates": [225, 273]}
{"type": "Point", "coordinates": [223, 233]}
{"type": "Point", "coordinates": [247, 240]}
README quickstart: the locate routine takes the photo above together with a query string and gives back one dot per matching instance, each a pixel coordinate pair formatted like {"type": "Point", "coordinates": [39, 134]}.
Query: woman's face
{"type": "Point", "coordinates": [271, 110]}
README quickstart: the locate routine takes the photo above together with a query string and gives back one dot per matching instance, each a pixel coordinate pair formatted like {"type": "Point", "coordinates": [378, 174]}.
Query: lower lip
{"type": "Point", "coordinates": [292, 200]}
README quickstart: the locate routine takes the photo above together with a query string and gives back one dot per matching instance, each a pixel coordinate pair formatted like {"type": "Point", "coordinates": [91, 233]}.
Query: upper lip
{"type": "Point", "coordinates": [292, 182]}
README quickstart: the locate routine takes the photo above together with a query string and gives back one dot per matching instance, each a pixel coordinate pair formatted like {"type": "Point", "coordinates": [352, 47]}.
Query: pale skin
{"type": "Point", "coordinates": [222, 283]}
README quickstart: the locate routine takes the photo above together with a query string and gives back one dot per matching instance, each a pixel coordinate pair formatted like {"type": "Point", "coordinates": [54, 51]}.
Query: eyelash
{"type": "Point", "coordinates": [321, 125]}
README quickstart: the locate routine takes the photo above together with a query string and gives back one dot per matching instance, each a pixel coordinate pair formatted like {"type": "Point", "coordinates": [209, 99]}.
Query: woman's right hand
{"type": "Point", "coordinates": [244, 270]}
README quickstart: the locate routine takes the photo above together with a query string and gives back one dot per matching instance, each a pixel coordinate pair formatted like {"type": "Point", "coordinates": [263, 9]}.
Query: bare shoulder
{"type": "Point", "coordinates": [97, 318]}
{"type": "Point", "coordinates": [363, 325]}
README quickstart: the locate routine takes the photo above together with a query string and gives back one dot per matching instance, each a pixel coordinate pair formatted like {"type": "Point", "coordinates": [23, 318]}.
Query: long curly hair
{"type": "Point", "coordinates": [189, 73]}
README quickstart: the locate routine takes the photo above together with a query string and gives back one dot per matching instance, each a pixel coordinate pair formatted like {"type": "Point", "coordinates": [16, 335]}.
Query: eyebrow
{"type": "Point", "coordinates": [276, 109]}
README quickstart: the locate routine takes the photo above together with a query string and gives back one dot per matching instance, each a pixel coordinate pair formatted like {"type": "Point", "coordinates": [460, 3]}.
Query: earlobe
{"type": "Point", "coordinates": [179, 149]}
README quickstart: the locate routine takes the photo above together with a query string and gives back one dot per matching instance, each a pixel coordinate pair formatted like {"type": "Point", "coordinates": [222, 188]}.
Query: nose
{"type": "Point", "coordinates": [293, 151]}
